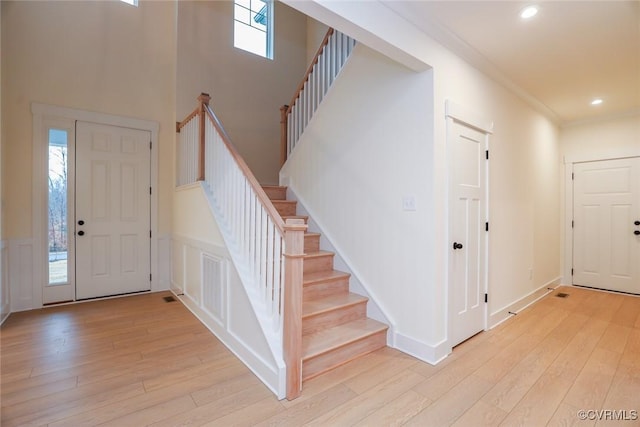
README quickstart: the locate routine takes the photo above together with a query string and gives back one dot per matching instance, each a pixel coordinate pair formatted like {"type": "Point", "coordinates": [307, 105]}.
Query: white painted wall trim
{"type": "Point", "coordinates": [21, 274]}
{"type": "Point", "coordinates": [43, 114]}
{"type": "Point", "coordinates": [517, 306]}
{"type": "Point", "coordinates": [461, 114]}
{"type": "Point", "coordinates": [5, 310]}
{"type": "Point", "coordinates": [432, 354]}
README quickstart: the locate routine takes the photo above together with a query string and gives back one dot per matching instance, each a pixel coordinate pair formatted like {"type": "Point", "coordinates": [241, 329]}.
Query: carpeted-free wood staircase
{"type": "Point", "coordinates": [335, 326]}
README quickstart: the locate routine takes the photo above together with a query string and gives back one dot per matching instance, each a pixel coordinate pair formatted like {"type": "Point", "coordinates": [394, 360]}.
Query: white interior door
{"type": "Point", "coordinates": [112, 210]}
{"type": "Point", "coordinates": [467, 259]}
{"type": "Point", "coordinates": [606, 233]}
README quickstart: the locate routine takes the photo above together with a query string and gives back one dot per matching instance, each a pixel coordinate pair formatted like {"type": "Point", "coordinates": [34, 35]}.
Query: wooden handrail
{"type": "Point", "coordinates": [262, 196]}
{"type": "Point", "coordinates": [180, 125]}
{"type": "Point", "coordinates": [296, 95]}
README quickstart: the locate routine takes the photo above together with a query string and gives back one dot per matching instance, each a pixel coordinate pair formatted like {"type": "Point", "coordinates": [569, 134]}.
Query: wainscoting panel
{"type": "Point", "coordinates": [204, 278]}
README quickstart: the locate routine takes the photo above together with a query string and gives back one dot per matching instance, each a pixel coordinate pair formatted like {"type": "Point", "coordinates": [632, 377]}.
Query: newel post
{"type": "Point", "coordinates": [284, 126]}
{"type": "Point", "coordinates": [294, 253]}
{"type": "Point", "coordinates": [203, 99]}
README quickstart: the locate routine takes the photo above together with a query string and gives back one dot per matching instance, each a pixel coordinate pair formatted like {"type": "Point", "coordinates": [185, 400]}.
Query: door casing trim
{"type": "Point", "coordinates": [460, 114]}
{"type": "Point", "coordinates": [44, 114]}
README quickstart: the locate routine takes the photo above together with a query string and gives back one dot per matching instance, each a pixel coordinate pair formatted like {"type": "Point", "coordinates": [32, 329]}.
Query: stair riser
{"type": "Point", "coordinates": [341, 355]}
{"type": "Point", "coordinates": [318, 263]}
{"type": "Point", "coordinates": [285, 208]}
{"type": "Point", "coordinates": [276, 193]}
{"type": "Point", "coordinates": [334, 317]}
{"type": "Point", "coordinates": [318, 290]}
{"type": "Point", "coordinates": [312, 243]}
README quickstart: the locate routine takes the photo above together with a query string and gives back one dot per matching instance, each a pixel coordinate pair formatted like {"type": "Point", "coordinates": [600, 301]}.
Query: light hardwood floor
{"type": "Point", "coordinates": [140, 361]}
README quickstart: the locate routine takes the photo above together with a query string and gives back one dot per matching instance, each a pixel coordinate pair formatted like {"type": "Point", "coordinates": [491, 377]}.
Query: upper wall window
{"type": "Point", "coordinates": [131, 2]}
{"type": "Point", "coordinates": [253, 26]}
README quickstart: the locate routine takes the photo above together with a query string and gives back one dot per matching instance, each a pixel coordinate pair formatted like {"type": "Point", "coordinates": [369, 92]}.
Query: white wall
{"type": "Point", "coordinates": [606, 138]}
{"type": "Point", "coordinates": [351, 169]}
{"type": "Point", "coordinates": [246, 90]}
{"type": "Point", "coordinates": [399, 148]}
{"type": "Point", "coordinates": [104, 57]}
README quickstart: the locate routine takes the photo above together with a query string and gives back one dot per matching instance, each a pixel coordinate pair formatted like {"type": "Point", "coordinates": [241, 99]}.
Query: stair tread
{"type": "Point", "coordinates": [326, 340]}
{"type": "Point", "coordinates": [311, 233]}
{"type": "Point", "coordinates": [304, 217]}
{"type": "Point", "coordinates": [274, 186]}
{"type": "Point", "coordinates": [320, 276]}
{"type": "Point", "coordinates": [330, 302]}
{"type": "Point", "coordinates": [318, 254]}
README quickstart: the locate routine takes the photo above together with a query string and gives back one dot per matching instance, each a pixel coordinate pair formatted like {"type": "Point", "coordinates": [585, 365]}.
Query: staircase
{"type": "Point", "coordinates": [335, 326]}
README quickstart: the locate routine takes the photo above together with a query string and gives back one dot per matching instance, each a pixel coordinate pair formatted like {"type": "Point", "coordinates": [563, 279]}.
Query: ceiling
{"type": "Point", "coordinates": [568, 54]}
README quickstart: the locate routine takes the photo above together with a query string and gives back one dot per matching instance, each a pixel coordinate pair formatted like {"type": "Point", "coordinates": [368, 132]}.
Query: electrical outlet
{"type": "Point", "coordinates": [408, 203]}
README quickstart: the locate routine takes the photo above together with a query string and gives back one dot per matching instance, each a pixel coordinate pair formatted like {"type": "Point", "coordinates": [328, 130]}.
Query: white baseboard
{"type": "Point", "coordinates": [505, 312]}
{"type": "Point", "coordinates": [431, 354]}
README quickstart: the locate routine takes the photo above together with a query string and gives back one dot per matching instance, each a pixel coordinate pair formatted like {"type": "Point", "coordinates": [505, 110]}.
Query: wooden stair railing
{"type": "Point", "coordinates": [267, 250]}
{"type": "Point", "coordinates": [325, 66]}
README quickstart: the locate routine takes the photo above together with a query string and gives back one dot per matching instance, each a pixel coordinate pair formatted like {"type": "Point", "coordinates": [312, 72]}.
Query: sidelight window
{"type": "Point", "coordinates": [58, 231]}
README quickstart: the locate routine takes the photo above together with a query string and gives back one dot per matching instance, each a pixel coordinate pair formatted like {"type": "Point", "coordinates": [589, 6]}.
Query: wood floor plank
{"type": "Point", "coordinates": [137, 361]}
{"type": "Point", "coordinates": [592, 384]}
{"type": "Point", "coordinates": [307, 410]}
{"type": "Point", "coordinates": [398, 411]}
{"type": "Point", "coordinates": [360, 407]}
{"type": "Point", "coordinates": [453, 404]}
{"type": "Point", "coordinates": [513, 386]}
{"type": "Point", "coordinates": [481, 414]}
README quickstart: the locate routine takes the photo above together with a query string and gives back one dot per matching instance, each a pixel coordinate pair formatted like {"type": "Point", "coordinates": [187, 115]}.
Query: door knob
{"type": "Point", "coordinates": [457, 245]}
{"type": "Point", "coordinates": [637, 223]}
{"type": "Point", "coordinates": [80, 233]}
{"type": "Point", "coordinates": [81, 222]}
{"type": "Point", "coordinates": [637, 232]}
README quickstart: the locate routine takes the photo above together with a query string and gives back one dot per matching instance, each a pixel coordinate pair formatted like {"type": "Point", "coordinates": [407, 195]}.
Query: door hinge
{"type": "Point", "coordinates": [150, 145]}
{"type": "Point", "coordinates": [571, 223]}
{"type": "Point", "coordinates": [572, 271]}
{"type": "Point", "coordinates": [486, 226]}
{"type": "Point", "coordinates": [149, 233]}
{"type": "Point", "coordinates": [150, 190]}
{"type": "Point", "coordinates": [573, 175]}
{"type": "Point", "coordinates": [150, 277]}
{"type": "Point", "coordinates": [486, 297]}
{"type": "Point", "coordinates": [487, 154]}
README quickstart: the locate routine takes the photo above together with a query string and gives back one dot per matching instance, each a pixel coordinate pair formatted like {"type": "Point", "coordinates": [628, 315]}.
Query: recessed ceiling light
{"type": "Point", "coordinates": [529, 12]}
{"type": "Point", "coordinates": [596, 101]}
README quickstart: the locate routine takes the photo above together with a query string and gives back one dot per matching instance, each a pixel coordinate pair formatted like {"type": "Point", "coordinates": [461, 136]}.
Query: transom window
{"type": "Point", "coordinates": [253, 26]}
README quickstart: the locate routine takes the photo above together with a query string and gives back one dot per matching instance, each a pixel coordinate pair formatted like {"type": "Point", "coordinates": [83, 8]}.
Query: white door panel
{"type": "Point", "coordinates": [606, 206]}
{"type": "Point", "coordinates": [113, 203]}
{"type": "Point", "coordinates": [468, 216]}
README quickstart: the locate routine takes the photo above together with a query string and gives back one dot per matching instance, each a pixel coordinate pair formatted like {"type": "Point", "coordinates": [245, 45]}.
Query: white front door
{"type": "Point", "coordinates": [606, 233]}
{"type": "Point", "coordinates": [112, 231]}
{"type": "Point", "coordinates": [467, 246]}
